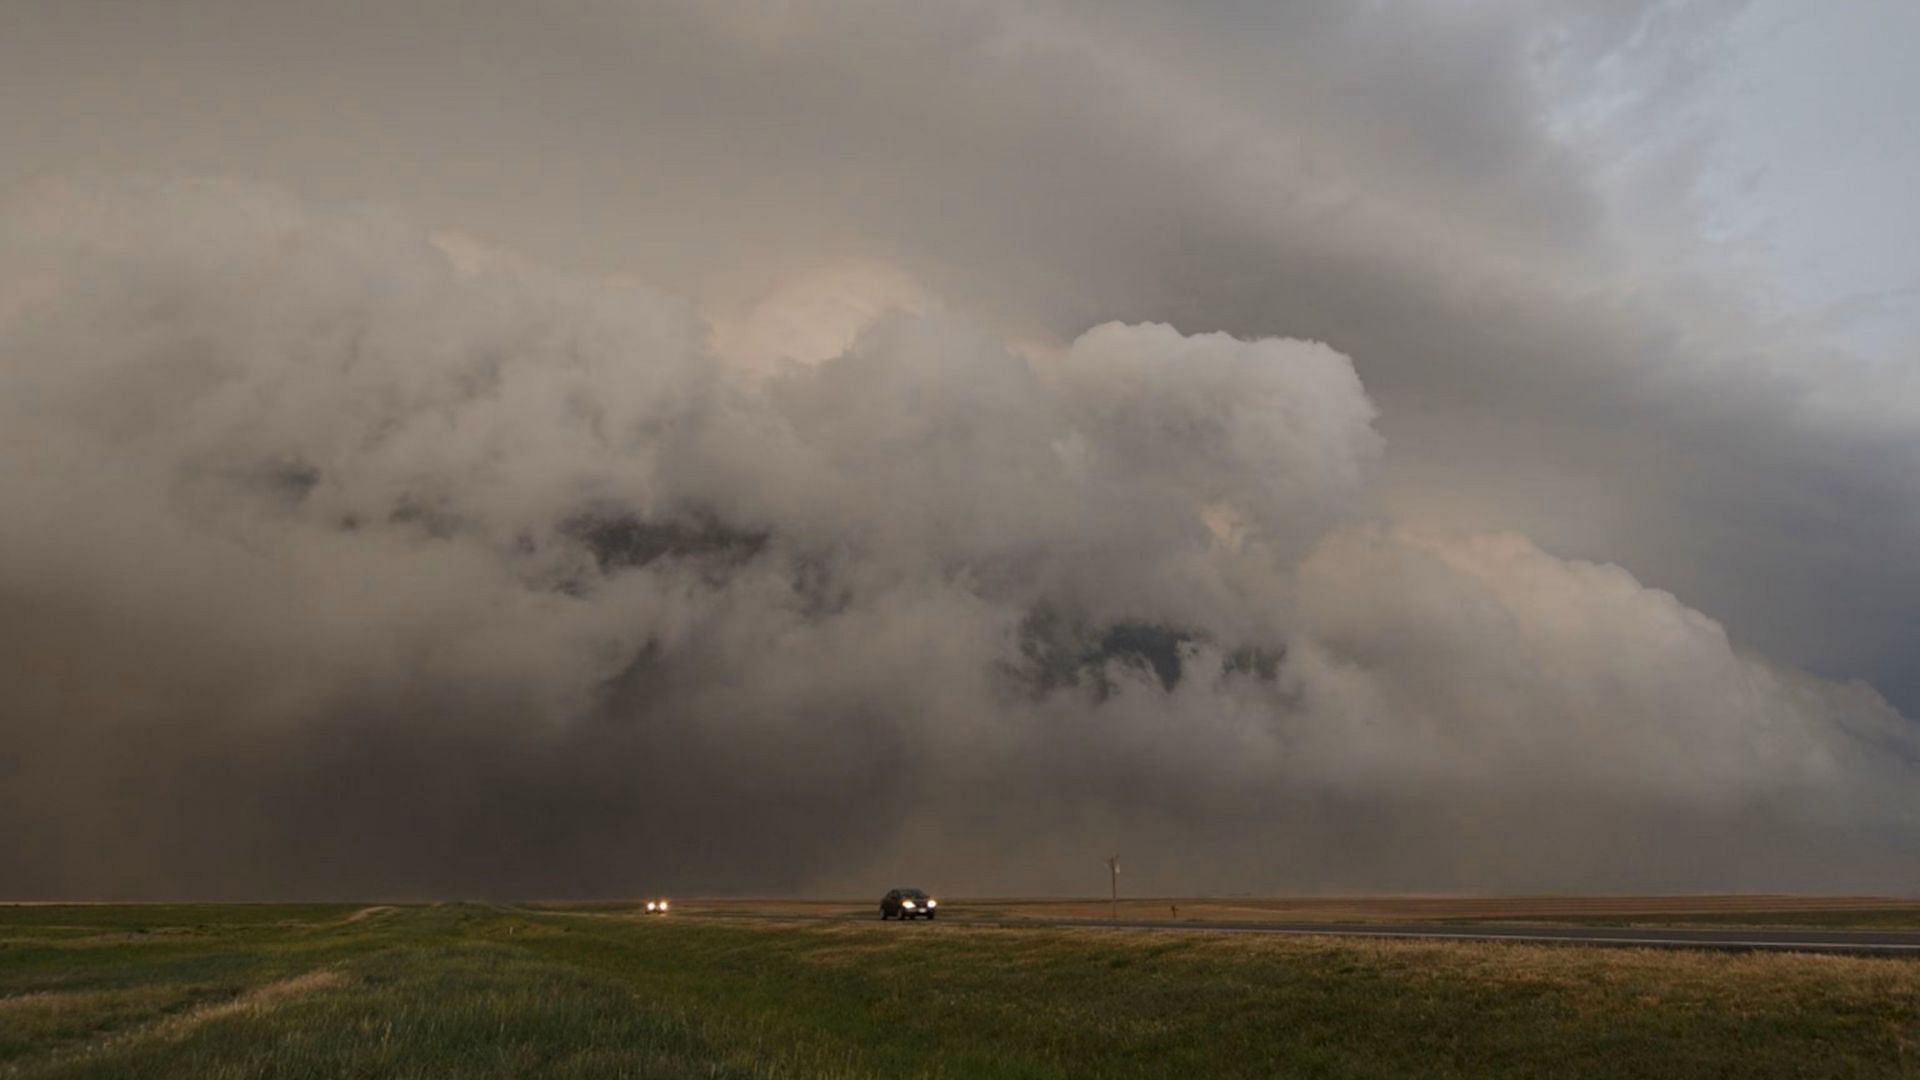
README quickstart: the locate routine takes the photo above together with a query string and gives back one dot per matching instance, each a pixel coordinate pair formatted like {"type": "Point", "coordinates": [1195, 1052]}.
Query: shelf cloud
{"type": "Point", "coordinates": [344, 556]}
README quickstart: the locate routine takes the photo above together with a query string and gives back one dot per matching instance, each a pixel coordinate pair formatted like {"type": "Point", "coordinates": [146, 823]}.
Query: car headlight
{"type": "Point", "coordinates": [663, 905]}
{"type": "Point", "coordinates": [908, 904]}
{"type": "Point", "coordinates": [933, 903]}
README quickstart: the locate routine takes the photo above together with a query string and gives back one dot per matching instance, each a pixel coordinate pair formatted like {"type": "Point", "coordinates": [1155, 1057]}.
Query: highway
{"type": "Point", "coordinates": [1716, 939]}
{"type": "Point", "coordinates": [1721, 939]}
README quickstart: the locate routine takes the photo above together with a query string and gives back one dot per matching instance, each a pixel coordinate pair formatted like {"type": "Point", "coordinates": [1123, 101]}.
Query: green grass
{"type": "Point", "coordinates": [465, 991]}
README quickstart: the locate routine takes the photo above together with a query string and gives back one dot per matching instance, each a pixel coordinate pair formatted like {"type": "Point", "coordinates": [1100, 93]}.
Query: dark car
{"type": "Point", "coordinates": [908, 904]}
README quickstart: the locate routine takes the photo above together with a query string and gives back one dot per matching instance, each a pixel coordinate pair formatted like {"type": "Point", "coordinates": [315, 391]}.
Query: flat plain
{"type": "Point", "coordinates": [602, 990]}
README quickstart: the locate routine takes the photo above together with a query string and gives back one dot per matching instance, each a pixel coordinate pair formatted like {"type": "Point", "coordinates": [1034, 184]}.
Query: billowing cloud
{"type": "Point", "coordinates": [1493, 207]}
{"type": "Point", "coordinates": [338, 558]}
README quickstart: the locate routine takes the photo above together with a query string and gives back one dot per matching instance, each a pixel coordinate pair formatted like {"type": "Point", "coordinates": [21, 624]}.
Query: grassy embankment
{"type": "Point", "coordinates": [476, 992]}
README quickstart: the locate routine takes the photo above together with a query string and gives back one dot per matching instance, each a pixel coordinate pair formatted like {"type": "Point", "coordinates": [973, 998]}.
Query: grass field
{"type": "Point", "coordinates": [472, 991]}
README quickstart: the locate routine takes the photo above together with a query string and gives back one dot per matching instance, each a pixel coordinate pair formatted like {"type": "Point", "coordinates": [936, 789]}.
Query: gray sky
{"type": "Point", "coordinates": [471, 447]}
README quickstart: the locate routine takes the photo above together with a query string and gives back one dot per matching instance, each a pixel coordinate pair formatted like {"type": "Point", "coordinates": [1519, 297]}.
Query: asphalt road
{"type": "Point", "coordinates": [1715, 939]}
{"type": "Point", "coordinates": [1722, 939]}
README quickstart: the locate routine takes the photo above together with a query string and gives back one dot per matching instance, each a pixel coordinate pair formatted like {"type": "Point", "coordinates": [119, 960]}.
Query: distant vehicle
{"type": "Point", "coordinates": [908, 904]}
{"type": "Point", "coordinates": [657, 907]}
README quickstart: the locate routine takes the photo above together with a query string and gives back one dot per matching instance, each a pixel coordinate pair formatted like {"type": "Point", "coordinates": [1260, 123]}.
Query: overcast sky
{"type": "Point", "coordinates": [582, 448]}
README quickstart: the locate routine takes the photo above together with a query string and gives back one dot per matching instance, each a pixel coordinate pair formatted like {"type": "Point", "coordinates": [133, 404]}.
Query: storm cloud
{"type": "Point", "coordinates": [343, 562]}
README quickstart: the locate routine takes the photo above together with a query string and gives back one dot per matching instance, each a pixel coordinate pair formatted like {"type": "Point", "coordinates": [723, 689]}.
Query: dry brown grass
{"type": "Point", "coordinates": [256, 1002]}
{"type": "Point", "coordinates": [45, 1007]}
{"type": "Point", "coordinates": [366, 913]}
{"type": "Point", "coordinates": [261, 999]}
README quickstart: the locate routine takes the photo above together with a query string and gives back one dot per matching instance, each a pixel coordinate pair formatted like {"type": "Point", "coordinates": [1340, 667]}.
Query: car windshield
{"type": "Point", "coordinates": [912, 894]}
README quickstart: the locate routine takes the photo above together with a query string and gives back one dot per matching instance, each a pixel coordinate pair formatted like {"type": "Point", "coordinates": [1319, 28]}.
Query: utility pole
{"type": "Point", "coordinates": [1113, 865]}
